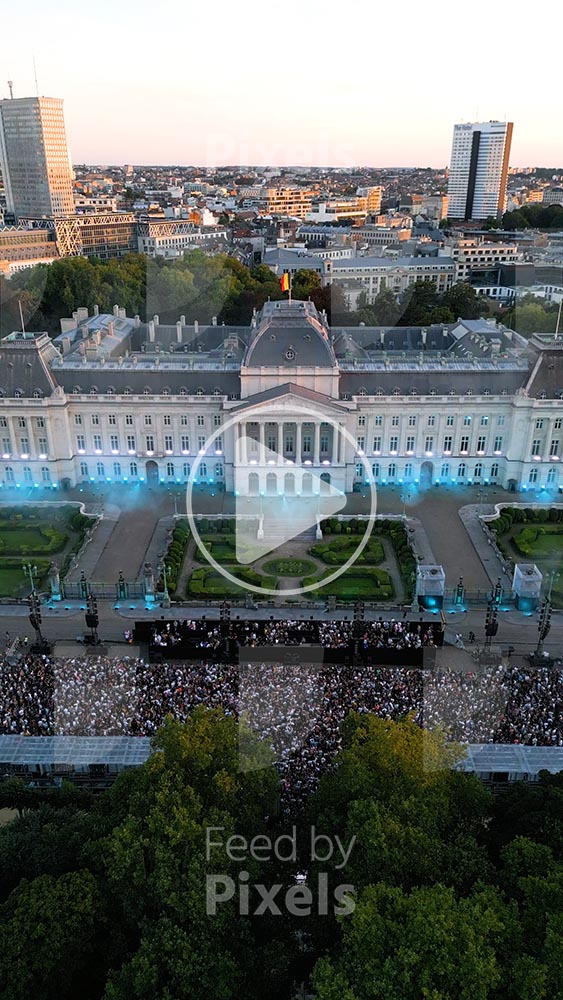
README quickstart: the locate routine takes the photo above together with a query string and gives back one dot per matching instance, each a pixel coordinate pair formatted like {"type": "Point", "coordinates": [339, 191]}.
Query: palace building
{"type": "Point", "coordinates": [115, 399]}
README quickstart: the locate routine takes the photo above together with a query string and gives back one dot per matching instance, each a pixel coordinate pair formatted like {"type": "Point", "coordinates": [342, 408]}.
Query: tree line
{"type": "Point", "coordinates": [196, 286]}
{"type": "Point", "coordinates": [458, 892]}
{"type": "Point", "coordinates": [199, 287]}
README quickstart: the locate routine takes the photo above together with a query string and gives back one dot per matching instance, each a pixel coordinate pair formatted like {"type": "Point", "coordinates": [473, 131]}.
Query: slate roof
{"type": "Point", "coordinates": [24, 366]}
{"type": "Point", "coordinates": [546, 380]}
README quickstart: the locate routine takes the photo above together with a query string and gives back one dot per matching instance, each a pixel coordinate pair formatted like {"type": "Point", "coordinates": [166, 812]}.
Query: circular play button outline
{"type": "Point", "coordinates": [297, 411]}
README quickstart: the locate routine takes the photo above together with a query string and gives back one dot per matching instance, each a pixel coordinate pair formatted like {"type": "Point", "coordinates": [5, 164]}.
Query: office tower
{"type": "Point", "coordinates": [479, 170]}
{"type": "Point", "coordinates": [34, 157]}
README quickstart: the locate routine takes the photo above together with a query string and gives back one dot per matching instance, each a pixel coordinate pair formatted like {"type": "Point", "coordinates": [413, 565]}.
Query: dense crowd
{"type": "Point", "coordinates": [297, 708]}
{"type": "Point", "coordinates": [394, 634]}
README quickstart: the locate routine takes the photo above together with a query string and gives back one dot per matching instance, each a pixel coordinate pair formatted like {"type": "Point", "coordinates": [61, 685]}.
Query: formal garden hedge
{"type": "Point", "coordinates": [35, 534]}
{"type": "Point", "coordinates": [337, 551]}
{"type": "Point", "coordinates": [525, 515]}
{"type": "Point", "coordinates": [208, 583]}
{"type": "Point", "coordinates": [175, 555]}
{"type": "Point", "coordinates": [397, 534]}
{"type": "Point", "coordinates": [355, 584]}
{"type": "Point", "coordinates": [289, 567]}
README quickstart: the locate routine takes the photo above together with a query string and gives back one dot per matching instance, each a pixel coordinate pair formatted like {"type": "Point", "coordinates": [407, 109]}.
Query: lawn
{"type": "Point", "coordinates": [208, 583]}
{"type": "Point", "coordinates": [222, 548]}
{"type": "Point", "coordinates": [13, 580]}
{"type": "Point", "coordinates": [356, 585]}
{"type": "Point", "coordinates": [337, 551]}
{"type": "Point", "coordinates": [540, 542]}
{"type": "Point", "coordinates": [543, 545]}
{"type": "Point", "coordinates": [36, 535]}
{"type": "Point", "coordinates": [21, 540]}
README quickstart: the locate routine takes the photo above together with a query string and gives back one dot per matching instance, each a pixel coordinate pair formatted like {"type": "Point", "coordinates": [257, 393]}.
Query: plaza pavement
{"type": "Point", "coordinates": [444, 526]}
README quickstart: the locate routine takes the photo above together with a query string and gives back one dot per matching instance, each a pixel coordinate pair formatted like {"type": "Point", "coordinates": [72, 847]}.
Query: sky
{"type": "Point", "coordinates": [277, 83]}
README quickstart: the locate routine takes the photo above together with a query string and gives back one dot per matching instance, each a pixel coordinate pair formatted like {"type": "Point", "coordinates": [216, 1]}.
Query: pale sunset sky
{"type": "Point", "coordinates": [293, 82]}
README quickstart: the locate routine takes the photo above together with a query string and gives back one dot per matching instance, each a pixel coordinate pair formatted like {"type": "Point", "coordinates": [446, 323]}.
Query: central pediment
{"type": "Point", "coordinates": [293, 397]}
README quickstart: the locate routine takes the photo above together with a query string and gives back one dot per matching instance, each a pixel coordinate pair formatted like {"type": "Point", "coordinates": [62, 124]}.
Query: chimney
{"type": "Point", "coordinates": [214, 321]}
{"type": "Point", "coordinates": [179, 332]}
{"type": "Point", "coordinates": [156, 320]}
{"type": "Point", "coordinates": [96, 310]}
{"type": "Point", "coordinates": [151, 331]}
{"type": "Point", "coordinates": [122, 314]}
{"type": "Point", "coordinates": [196, 326]}
{"type": "Point", "coordinates": [183, 320]}
{"type": "Point", "coordinates": [116, 310]}
{"type": "Point", "coordinates": [423, 335]}
{"type": "Point", "coordinates": [137, 322]}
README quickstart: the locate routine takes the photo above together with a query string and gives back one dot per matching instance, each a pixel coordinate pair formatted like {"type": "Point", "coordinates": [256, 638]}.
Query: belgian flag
{"type": "Point", "coordinates": [284, 282]}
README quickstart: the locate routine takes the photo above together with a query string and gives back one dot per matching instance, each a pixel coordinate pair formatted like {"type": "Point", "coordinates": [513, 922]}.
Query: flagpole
{"type": "Point", "coordinates": [290, 280]}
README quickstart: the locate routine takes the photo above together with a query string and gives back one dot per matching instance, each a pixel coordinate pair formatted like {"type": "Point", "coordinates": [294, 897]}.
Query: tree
{"type": "Point", "coordinates": [48, 932]}
{"type": "Point", "coordinates": [462, 300]}
{"type": "Point", "coordinates": [426, 944]}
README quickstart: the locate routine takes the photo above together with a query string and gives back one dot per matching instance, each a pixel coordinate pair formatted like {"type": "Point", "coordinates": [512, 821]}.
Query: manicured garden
{"type": "Point", "coordinates": [355, 585]}
{"type": "Point", "coordinates": [289, 567]}
{"type": "Point", "coordinates": [533, 535]}
{"type": "Point", "coordinates": [337, 551]}
{"type": "Point", "coordinates": [384, 570]}
{"type": "Point", "coordinates": [37, 535]}
{"type": "Point", "coordinates": [206, 582]}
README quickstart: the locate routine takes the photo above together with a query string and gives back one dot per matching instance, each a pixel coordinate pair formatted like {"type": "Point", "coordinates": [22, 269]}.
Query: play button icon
{"type": "Point", "coordinates": [282, 495]}
{"type": "Point", "coordinates": [277, 501]}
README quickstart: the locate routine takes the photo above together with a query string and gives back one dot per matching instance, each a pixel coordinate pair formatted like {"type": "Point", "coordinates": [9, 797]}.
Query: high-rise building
{"type": "Point", "coordinates": [34, 157]}
{"type": "Point", "coordinates": [479, 170]}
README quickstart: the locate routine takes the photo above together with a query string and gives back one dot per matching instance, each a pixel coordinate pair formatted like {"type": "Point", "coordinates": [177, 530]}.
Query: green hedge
{"type": "Point", "coordinates": [525, 515]}
{"type": "Point", "coordinates": [337, 551]}
{"type": "Point", "coordinates": [207, 582]}
{"type": "Point", "coordinates": [395, 531]}
{"type": "Point", "coordinates": [24, 540]}
{"type": "Point", "coordinates": [355, 584]}
{"type": "Point", "coordinates": [175, 555]}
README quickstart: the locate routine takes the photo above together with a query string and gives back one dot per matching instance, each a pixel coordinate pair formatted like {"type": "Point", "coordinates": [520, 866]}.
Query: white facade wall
{"type": "Point", "coordinates": [103, 438]}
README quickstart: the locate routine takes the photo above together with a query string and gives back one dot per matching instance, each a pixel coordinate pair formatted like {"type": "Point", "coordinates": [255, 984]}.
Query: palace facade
{"type": "Point", "coordinates": [114, 399]}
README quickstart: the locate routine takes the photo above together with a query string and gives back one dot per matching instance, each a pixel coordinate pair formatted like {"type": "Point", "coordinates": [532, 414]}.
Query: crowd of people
{"type": "Point", "coordinates": [204, 634]}
{"type": "Point", "coordinates": [297, 707]}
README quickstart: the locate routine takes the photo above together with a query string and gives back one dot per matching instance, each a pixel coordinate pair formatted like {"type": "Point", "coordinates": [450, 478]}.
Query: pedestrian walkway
{"type": "Point", "coordinates": [91, 554]}
{"type": "Point", "coordinates": [159, 542]}
{"type": "Point", "coordinates": [492, 563]}
{"type": "Point", "coordinates": [420, 542]}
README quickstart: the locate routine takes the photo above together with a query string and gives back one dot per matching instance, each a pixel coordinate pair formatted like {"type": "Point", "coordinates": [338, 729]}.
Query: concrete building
{"type": "Point", "coordinates": [365, 275]}
{"type": "Point", "coordinates": [334, 209]}
{"type": "Point", "coordinates": [22, 248]}
{"type": "Point", "coordinates": [96, 234]}
{"type": "Point", "coordinates": [115, 399]}
{"type": "Point", "coordinates": [294, 201]}
{"type": "Point", "coordinates": [479, 170]}
{"type": "Point", "coordinates": [470, 253]}
{"type": "Point", "coordinates": [553, 196]}
{"type": "Point", "coordinates": [380, 236]}
{"type": "Point", "coordinates": [94, 202]}
{"type": "Point", "coordinates": [371, 275]}
{"type": "Point", "coordinates": [34, 157]}
{"type": "Point", "coordinates": [172, 237]}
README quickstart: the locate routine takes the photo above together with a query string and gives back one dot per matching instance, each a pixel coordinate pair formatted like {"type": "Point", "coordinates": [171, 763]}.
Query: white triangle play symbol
{"type": "Point", "coordinates": [277, 501]}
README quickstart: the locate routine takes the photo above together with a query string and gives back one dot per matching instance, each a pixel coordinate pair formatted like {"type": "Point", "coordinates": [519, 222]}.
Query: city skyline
{"type": "Point", "coordinates": [206, 101]}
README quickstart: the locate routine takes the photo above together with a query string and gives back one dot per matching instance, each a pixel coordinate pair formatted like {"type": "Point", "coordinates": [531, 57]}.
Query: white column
{"type": "Point", "coordinates": [280, 441]}
{"type": "Point", "coordinates": [339, 442]}
{"type": "Point", "coordinates": [244, 444]}
{"type": "Point", "coordinates": [317, 452]}
{"type": "Point", "coordinates": [262, 444]}
{"type": "Point", "coordinates": [298, 448]}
